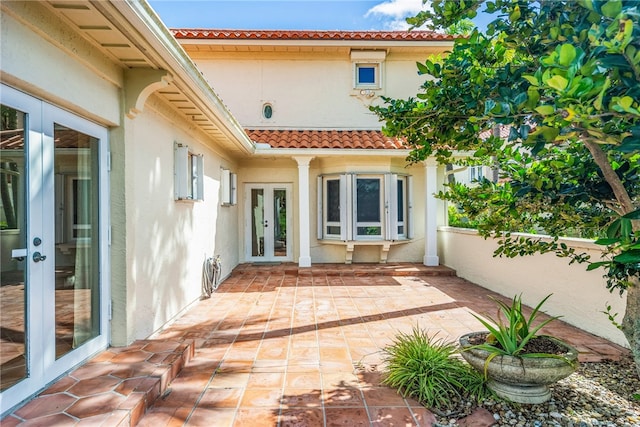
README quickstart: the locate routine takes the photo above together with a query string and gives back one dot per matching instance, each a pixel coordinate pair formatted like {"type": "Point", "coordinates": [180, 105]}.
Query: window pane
{"type": "Point", "coordinates": [366, 74]}
{"type": "Point", "coordinates": [369, 231]}
{"type": "Point", "coordinates": [400, 201]}
{"type": "Point", "coordinates": [77, 298]}
{"type": "Point", "coordinates": [280, 222]}
{"type": "Point", "coordinates": [333, 229]}
{"type": "Point", "coordinates": [368, 199]}
{"type": "Point", "coordinates": [333, 201]}
{"type": "Point", "coordinates": [13, 239]}
{"type": "Point", "coordinates": [257, 222]}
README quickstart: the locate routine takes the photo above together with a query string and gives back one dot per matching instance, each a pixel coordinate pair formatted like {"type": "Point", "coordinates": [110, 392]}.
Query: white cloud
{"type": "Point", "coordinates": [394, 12]}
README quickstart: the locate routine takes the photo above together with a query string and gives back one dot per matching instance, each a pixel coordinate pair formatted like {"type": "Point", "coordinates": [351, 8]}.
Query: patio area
{"type": "Point", "coordinates": [279, 346]}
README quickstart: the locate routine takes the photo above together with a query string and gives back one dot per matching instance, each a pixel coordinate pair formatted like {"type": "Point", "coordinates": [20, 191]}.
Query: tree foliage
{"type": "Point", "coordinates": [561, 80]}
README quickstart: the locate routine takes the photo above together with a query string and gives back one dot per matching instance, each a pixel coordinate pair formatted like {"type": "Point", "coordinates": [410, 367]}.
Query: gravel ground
{"type": "Point", "coordinates": [597, 394]}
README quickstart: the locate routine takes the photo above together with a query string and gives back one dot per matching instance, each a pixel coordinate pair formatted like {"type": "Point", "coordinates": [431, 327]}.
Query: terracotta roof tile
{"type": "Point", "coordinates": [198, 33]}
{"type": "Point", "coordinates": [360, 139]}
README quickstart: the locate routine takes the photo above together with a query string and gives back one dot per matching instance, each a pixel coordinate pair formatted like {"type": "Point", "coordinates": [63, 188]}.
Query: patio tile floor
{"type": "Point", "coordinates": [281, 346]}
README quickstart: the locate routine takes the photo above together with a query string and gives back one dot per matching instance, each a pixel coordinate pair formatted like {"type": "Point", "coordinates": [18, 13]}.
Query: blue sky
{"type": "Point", "coordinates": [288, 14]}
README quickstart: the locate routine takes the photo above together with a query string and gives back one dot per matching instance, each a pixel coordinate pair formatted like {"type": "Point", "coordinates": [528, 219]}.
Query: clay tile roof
{"type": "Point", "coordinates": [362, 139]}
{"type": "Point", "coordinates": [195, 33]}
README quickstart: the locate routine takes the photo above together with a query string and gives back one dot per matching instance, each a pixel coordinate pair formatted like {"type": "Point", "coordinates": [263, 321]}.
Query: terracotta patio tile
{"type": "Point", "coordinates": [303, 380]}
{"type": "Point", "coordinates": [49, 420]}
{"type": "Point", "coordinates": [347, 396]}
{"type": "Point", "coordinates": [346, 417]}
{"type": "Point", "coordinates": [230, 379]}
{"type": "Point", "coordinates": [91, 370]}
{"type": "Point", "coordinates": [266, 380]}
{"type": "Point", "coordinates": [10, 421]}
{"type": "Point", "coordinates": [304, 340]}
{"type": "Point", "coordinates": [383, 416]}
{"type": "Point", "coordinates": [93, 386]}
{"type": "Point", "coordinates": [382, 396]}
{"type": "Point", "coordinates": [423, 416]}
{"type": "Point", "coordinates": [257, 417]}
{"type": "Point", "coordinates": [261, 397]}
{"type": "Point", "coordinates": [220, 398]}
{"type": "Point", "coordinates": [46, 405]}
{"type": "Point", "coordinates": [95, 405]}
{"type": "Point", "coordinates": [164, 417]}
{"type": "Point", "coordinates": [61, 385]}
{"type": "Point", "coordinates": [131, 356]}
{"type": "Point", "coordinates": [302, 417]}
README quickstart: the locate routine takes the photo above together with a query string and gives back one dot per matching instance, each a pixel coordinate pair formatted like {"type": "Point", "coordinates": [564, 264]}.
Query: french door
{"type": "Point", "coordinates": [53, 240]}
{"type": "Point", "coordinates": [268, 222]}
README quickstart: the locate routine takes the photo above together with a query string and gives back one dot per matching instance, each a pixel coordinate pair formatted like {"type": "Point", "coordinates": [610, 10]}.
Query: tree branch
{"type": "Point", "coordinates": [600, 157]}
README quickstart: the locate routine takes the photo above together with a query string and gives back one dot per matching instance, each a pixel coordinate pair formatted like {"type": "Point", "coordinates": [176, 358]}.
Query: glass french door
{"type": "Point", "coordinates": [53, 242]}
{"type": "Point", "coordinates": [268, 227]}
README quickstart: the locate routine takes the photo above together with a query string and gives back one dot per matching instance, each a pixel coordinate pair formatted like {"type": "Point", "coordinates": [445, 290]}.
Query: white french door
{"type": "Point", "coordinates": [268, 222]}
{"type": "Point", "coordinates": [53, 242]}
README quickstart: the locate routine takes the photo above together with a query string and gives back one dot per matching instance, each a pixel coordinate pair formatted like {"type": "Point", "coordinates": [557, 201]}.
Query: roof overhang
{"type": "Point", "coordinates": [132, 36]}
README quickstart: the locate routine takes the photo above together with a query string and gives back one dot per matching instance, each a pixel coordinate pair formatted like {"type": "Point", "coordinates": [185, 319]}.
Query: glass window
{"type": "Point", "coordinates": [367, 76]}
{"type": "Point", "coordinates": [368, 207]}
{"type": "Point", "coordinates": [267, 111]}
{"type": "Point", "coordinates": [375, 207]}
{"type": "Point", "coordinates": [333, 207]}
{"type": "Point", "coordinates": [189, 174]}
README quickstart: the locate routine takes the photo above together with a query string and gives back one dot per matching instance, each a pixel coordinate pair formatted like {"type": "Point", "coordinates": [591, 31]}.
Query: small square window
{"type": "Point", "coordinates": [367, 76]}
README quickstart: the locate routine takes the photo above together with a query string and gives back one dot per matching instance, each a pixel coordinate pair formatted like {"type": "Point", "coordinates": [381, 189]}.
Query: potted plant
{"type": "Point", "coordinates": [518, 364]}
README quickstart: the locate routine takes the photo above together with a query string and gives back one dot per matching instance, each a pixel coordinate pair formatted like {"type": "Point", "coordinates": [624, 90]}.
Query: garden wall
{"type": "Point", "coordinates": [579, 296]}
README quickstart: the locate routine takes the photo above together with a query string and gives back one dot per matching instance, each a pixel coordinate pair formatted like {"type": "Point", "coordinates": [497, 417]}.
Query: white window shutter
{"type": "Point", "coordinates": [391, 205]}
{"type": "Point", "coordinates": [320, 211]}
{"type": "Point", "coordinates": [181, 175]}
{"type": "Point", "coordinates": [198, 177]}
{"type": "Point", "coordinates": [234, 189]}
{"type": "Point", "coordinates": [225, 187]}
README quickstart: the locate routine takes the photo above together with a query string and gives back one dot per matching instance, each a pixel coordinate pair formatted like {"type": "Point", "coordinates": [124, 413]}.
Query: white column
{"type": "Point", "coordinates": [304, 214]}
{"type": "Point", "coordinates": [431, 213]}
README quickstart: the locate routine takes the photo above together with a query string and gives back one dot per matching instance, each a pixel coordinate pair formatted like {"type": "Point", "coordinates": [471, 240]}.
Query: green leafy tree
{"type": "Point", "coordinates": [561, 80]}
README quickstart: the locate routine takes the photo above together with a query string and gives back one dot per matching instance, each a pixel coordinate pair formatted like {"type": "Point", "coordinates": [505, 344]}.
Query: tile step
{"type": "Point", "coordinates": [115, 388]}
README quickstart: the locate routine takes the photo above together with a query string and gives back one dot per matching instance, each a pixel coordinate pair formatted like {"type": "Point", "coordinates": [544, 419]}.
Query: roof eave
{"type": "Point", "coordinates": [151, 30]}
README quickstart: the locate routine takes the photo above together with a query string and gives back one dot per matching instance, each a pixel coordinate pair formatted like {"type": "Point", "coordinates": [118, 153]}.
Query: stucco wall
{"type": "Point", "coordinates": [579, 296]}
{"type": "Point", "coordinates": [307, 91]}
{"type": "Point", "coordinates": [167, 240]}
{"type": "Point", "coordinates": [41, 56]}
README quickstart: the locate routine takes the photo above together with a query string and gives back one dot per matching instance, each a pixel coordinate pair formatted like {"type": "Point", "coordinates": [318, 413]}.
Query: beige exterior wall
{"type": "Point", "coordinates": [579, 296]}
{"type": "Point", "coordinates": [55, 64]}
{"type": "Point", "coordinates": [307, 91]}
{"type": "Point", "coordinates": [167, 240]}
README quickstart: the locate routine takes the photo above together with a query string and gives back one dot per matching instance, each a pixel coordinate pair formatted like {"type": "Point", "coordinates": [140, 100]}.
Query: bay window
{"type": "Point", "coordinates": [368, 206]}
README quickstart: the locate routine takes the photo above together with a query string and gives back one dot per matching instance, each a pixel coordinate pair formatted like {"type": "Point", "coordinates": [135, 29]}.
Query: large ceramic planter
{"type": "Point", "coordinates": [521, 379]}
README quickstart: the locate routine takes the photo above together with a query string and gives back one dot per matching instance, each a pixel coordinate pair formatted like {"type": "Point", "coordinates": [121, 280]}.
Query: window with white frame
{"type": "Point", "coordinates": [476, 173]}
{"type": "Point", "coordinates": [188, 174]}
{"type": "Point", "coordinates": [367, 68]}
{"type": "Point", "coordinates": [364, 207]}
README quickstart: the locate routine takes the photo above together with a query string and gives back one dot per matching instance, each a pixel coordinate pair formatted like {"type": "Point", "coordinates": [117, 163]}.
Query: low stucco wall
{"type": "Point", "coordinates": [579, 296]}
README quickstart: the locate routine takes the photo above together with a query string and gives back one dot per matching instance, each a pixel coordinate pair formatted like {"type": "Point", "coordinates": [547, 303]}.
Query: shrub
{"type": "Point", "coordinates": [427, 369]}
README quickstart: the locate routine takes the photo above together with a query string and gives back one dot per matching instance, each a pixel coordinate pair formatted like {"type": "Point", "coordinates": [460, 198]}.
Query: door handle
{"type": "Point", "coordinates": [37, 257]}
